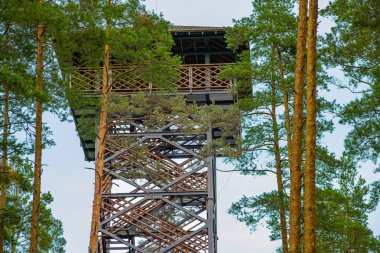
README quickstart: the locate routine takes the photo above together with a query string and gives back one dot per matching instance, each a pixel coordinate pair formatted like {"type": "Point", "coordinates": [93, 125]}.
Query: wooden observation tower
{"type": "Point", "coordinates": [175, 212]}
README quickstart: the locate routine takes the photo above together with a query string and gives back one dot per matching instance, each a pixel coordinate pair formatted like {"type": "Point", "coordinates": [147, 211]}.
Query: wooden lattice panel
{"type": "Point", "coordinates": [124, 81]}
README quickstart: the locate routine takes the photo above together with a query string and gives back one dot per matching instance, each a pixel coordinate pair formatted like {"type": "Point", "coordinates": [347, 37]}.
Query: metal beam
{"type": "Point", "coordinates": [182, 177]}
{"type": "Point", "coordinates": [156, 194]}
{"type": "Point", "coordinates": [183, 239]}
{"type": "Point", "coordinates": [210, 199]}
{"type": "Point", "coordinates": [123, 150]}
{"type": "Point", "coordinates": [126, 209]}
{"type": "Point", "coordinates": [128, 181]}
{"type": "Point", "coordinates": [183, 209]}
{"type": "Point", "coordinates": [181, 148]}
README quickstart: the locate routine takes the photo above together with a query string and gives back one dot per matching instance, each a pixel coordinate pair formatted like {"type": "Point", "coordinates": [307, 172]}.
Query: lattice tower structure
{"type": "Point", "coordinates": [158, 191]}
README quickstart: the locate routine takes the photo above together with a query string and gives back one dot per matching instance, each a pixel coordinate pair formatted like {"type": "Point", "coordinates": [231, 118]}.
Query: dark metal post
{"type": "Point", "coordinates": [211, 218]}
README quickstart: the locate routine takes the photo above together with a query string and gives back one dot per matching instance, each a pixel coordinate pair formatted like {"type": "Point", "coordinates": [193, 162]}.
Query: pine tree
{"type": "Point", "coordinates": [353, 46]}
{"type": "Point", "coordinates": [101, 142]}
{"type": "Point", "coordinates": [17, 76]}
{"type": "Point", "coordinates": [14, 79]}
{"type": "Point", "coordinates": [296, 148]}
{"type": "Point", "coordinates": [310, 244]}
{"type": "Point", "coordinates": [271, 55]}
{"type": "Point", "coordinates": [4, 165]}
{"type": "Point", "coordinates": [277, 154]}
{"type": "Point", "coordinates": [38, 138]}
{"type": "Point", "coordinates": [20, 52]}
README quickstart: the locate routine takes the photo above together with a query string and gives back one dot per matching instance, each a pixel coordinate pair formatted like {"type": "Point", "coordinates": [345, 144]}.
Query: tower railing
{"type": "Point", "coordinates": [191, 78]}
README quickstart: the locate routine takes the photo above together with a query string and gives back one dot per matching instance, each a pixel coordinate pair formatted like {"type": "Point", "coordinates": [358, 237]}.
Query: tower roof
{"type": "Point", "coordinates": [189, 29]}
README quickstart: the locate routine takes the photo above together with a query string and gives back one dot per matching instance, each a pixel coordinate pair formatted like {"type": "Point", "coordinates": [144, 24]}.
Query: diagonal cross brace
{"type": "Point", "coordinates": [128, 181]}
{"type": "Point", "coordinates": [198, 168]}
{"type": "Point", "coordinates": [117, 214]}
{"type": "Point", "coordinates": [123, 150]}
{"type": "Point", "coordinates": [182, 148]}
{"type": "Point", "coordinates": [183, 239]}
{"type": "Point", "coordinates": [183, 209]}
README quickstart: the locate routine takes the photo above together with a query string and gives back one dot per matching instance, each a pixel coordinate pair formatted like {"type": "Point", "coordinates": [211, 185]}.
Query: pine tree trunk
{"type": "Point", "coordinates": [96, 207]}
{"type": "Point", "coordinates": [16, 232]}
{"type": "Point", "coordinates": [310, 245]}
{"type": "Point", "coordinates": [285, 98]}
{"type": "Point", "coordinates": [280, 188]}
{"type": "Point", "coordinates": [296, 157]}
{"type": "Point", "coordinates": [38, 142]}
{"type": "Point", "coordinates": [4, 164]}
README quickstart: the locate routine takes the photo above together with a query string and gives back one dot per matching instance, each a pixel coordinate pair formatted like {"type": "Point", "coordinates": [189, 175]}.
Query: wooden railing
{"type": "Point", "coordinates": [192, 78]}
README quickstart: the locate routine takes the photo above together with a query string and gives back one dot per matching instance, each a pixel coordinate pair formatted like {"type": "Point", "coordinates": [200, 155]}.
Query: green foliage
{"type": "Point", "coordinates": [363, 114]}
{"type": "Point", "coordinates": [157, 110]}
{"type": "Point", "coordinates": [259, 67]}
{"type": "Point", "coordinates": [140, 45]}
{"type": "Point", "coordinates": [354, 46]}
{"type": "Point", "coordinates": [139, 40]}
{"type": "Point", "coordinates": [271, 26]}
{"type": "Point", "coordinates": [344, 201]}
{"type": "Point", "coordinates": [268, 32]}
{"type": "Point", "coordinates": [17, 71]}
{"type": "Point", "coordinates": [17, 214]}
{"type": "Point", "coordinates": [353, 43]}
{"type": "Point", "coordinates": [18, 46]}
{"type": "Point", "coordinates": [257, 210]}
{"type": "Point", "coordinates": [342, 213]}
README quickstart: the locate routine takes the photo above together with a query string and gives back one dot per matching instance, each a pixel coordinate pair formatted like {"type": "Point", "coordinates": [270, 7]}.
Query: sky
{"type": "Point", "coordinates": [64, 172]}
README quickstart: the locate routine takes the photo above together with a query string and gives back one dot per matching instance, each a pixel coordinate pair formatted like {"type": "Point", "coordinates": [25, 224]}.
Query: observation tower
{"type": "Point", "coordinates": [158, 192]}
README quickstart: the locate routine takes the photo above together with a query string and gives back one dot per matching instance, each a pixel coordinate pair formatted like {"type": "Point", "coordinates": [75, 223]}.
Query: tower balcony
{"type": "Point", "coordinates": [192, 78]}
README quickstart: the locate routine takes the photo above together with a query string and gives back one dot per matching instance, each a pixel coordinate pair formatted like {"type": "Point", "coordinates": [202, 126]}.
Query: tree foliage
{"type": "Point", "coordinates": [18, 58]}
{"type": "Point", "coordinates": [18, 214]}
{"type": "Point", "coordinates": [354, 46]}
{"type": "Point", "coordinates": [343, 200]}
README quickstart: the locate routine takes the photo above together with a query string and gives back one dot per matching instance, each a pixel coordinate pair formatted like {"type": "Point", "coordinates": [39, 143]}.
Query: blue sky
{"type": "Point", "coordinates": [72, 185]}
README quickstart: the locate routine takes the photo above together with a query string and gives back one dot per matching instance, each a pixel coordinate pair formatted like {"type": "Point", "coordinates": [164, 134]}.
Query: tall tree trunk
{"type": "Point", "coordinates": [15, 231]}
{"type": "Point", "coordinates": [285, 98]}
{"type": "Point", "coordinates": [4, 164]}
{"type": "Point", "coordinates": [295, 169]}
{"type": "Point", "coordinates": [96, 206]}
{"type": "Point", "coordinates": [276, 146]}
{"type": "Point", "coordinates": [311, 129]}
{"type": "Point", "coordinates": [38, 142]}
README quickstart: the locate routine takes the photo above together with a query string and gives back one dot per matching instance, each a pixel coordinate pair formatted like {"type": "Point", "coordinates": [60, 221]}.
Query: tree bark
{"type": "Point", "coordinates": [38, 141]}
{"type": "Point", "coordinates": [96, 207]}
{"type": "Point", "coordinates": [310, 245]}
{"type": "Point", "coordinates": [295, 169]}
{"type": "Point", "coordinates": [4, 164]}
{"type": "Point", "coordinates": [276, 146]}
{"type": "Point", "coordinates": [285, 98]}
